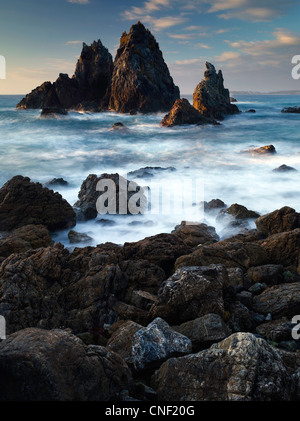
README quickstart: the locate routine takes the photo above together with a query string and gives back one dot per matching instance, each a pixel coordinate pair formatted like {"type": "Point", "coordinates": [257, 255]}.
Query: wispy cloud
{"type": "Point", "coordinates": [73, 42]}
{"type": "Point", "coordinates": [79, 1]}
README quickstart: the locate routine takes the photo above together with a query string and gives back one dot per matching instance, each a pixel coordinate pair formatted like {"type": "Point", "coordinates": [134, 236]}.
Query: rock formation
{"type": "Point", "coordinates": [141, 80]}
{"type": "Point", "coordinates": [87, 89]}
{"type": "Point", "coordinates": [211, 98]}
{"type": "Point", "coordinates": [183, 112]}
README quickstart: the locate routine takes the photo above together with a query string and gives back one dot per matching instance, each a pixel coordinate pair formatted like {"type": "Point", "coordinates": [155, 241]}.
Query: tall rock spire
{"type": "Point", "coordinates": [141, 79]}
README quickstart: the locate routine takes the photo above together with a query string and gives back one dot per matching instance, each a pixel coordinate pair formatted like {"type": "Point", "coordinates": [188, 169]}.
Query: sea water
{"type": "Point", "coordinates": [80, 144]}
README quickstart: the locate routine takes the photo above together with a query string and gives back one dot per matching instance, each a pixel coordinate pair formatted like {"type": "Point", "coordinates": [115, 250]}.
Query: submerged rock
{"type": "Point", "coordinates": [149, 172]}
{"type": "Point", "coordinates": [240, 368]}
{"type": "Point", "coordinates": [141, 80]}
{"type": "Point", "coordinates": [23, 202]}
{"type": "Point", "coordinates": [284, 168]}
{"type": "Point", "coordinates": [211, 98]}
{"type": "Point", "coordinates": [77, 237]}
{"type": "Point", "coordinates": [263, 150]}
{"type": "Point", "coordinates": [119, 127]}
{"type": "Point", "coordinates": [291, 110]}
{"type": "Point", "coordinates": [53, 112]}
{"type": "Point", "coordinates": [182, 113]}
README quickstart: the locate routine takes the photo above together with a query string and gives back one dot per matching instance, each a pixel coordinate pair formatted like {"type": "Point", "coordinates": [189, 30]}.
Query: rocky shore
{"type": "Point", "coordinates": [176, 316]}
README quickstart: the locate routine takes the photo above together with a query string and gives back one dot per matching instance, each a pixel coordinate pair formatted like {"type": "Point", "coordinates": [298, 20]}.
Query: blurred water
{"type": "Point", "coordinates": [80, 144]}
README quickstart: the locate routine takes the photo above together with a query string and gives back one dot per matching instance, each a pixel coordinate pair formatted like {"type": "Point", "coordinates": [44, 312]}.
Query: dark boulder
{"type": "Point", "coordinates": [281, 220]}
{"type": "Point", "coordinates": [56, 182]}
{"type": "Point", "coordinates": [211, 98]}
{"type": "Point", "coordinates": [284, 168]}
{"type": "Point", "coordinates": [182, 113]}
{"type": "Point", "coordinates": [40, 365]}
{"type": "Point", "coordinates": [141, 80]}
{"type": "Point", "coordinates": [263, 150]}
{"type": "Point", "coordinates": [23, 202]}
{"type": "Point", "coordinates": [194, 234]}
{"type": "Point", "coordinates": [239, 212]}
{"type": "Point", "coordinates": [53, 112]}
{"type": "Point", "coordinates": [291, 110]}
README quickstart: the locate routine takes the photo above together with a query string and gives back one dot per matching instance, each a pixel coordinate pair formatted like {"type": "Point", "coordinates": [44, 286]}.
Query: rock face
{"type": "Point", "coordinates": [141, 80]}
{"type": "Point", "coordinates": [87, 89]}
{"type": "Point", "coordinates": [182, 113]}
{"type": "Point", "coordinates": [23, 202]}
{"type": "Point", "coordinates": [89, 195]}
{"type": "Point", "coordinates": [282, 220]}
{"type": "Point", "coordinates": [240, 368]}
{"type": "Point", "coordinates": [190, 293]}
{"type": "Point", "coordinates": [40, 365]}
{"type": "Point", "coordinates": [211, 98]}
{"type": "Point", "coordinates": [156, 342]}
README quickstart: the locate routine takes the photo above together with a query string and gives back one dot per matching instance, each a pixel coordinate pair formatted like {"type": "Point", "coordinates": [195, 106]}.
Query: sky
{"type": "Point", "coordinates": [252, 41]}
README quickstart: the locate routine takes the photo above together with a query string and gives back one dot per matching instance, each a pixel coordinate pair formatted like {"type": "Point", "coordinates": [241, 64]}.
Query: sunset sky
{"type": "Point", "coordinates": [252, 41]}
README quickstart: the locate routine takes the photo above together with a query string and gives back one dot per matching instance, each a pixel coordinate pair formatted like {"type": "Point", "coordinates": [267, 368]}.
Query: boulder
{"type": "Point", "coordinates": [40, 365]}
{"type": "Point", "coordinates": [263, 150]}
{"type": "Point", "coordinates": [183, 113]}
{"type": "Point", "coordinates": [280, 301]}
{"type": "Point", "coordinates": [149, 172]}
{"type": "Point", "coordinates": [276, 331]}
{"type": "Point", "coordinates": [291, 110]}
{"type": "Point", "coordinates": [88, 196]}
{"type": "Point", "coordinates": [240, 319]}
{"type": "Point", "coordinates": [23, 202]}
{"type": "Point", "coordinates": [141, 80]}
{"type": "Point", "coordinates": [239, 212]}
{"type": "Point", "coordinates": [119, 127]}
{"type": "Point", "coordinates": [78, 237]}
{"type": "Point", "coordinates": [211, 98]}
{"type": "Point", "coordinates": [213, 205]}
{"type": "Point", "coordinates": [23, 239]}
{"type": "Point", "coordinates": [56, 182]}
{"type": "Point", "coordinates": [195, 234]}
{"type": "Point", "coordinates": [282, 220]}
{"type": "Point", "coordinates": [204, 331]}
{"type": "Point", "coordinates": [267, 274]}
{"type": "Point", "coordinates": [230, 254]}
{"type": "Point", "coordinates": [251, 111]}
{"type": "Point", "coordinates": [284, 168]}
{"type": "Point", "coordinates": [53, 112]}
{"type": "Point", "coordinates": [190, 293]}
{"type": "Point", "coordinates": [240, 368]}
{"type": "Point", "coordinates": [157, 342]}
{"type": "Point", "coordinates": [121, 341]}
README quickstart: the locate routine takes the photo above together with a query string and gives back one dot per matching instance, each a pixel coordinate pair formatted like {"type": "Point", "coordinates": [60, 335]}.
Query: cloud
{"type": "Point", "coordinates": [73, 42]}
{"type": "Point", "coordinates": [182, 36]}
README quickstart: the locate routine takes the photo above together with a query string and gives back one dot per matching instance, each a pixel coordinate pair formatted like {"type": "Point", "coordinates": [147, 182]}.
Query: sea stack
{"type": "Point", "coordinates": [87, 89]}
{"type": "Point", "coordinates": [211, 98]}
{"type": "Point", "coordinates": [141, 79]}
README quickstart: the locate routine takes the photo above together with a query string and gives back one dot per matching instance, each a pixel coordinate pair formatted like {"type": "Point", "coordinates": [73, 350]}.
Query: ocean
{"type": "Point", "coordinates": [80, 144]}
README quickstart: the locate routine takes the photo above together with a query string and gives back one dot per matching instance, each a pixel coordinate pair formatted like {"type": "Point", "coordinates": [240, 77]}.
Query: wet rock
{"type": "Point", "coordinates": [240, 319]}
{"type": "Point", "coordinates": [53, 112]}
{"type": "Point", "coordinates": [142, 299]}
{"type": "Point", "coordinates": [77, 237]}
{"type": "Point", "coordinates": [276, 331]}
{"type": "Point", "coordinates": [141, 81]}
{"type": "Point", "coordinates": [291, 110]}
{"type": "Point", "coordinates": [284, 168]}
{"type": "Point", "coordinates": [235, 277]}
{"type": "Point", "coordinates": [251, 111]}
{"type": "Point", "coordinates": [42, 365]}
{"type": "Point", "coordinates": [211, 98]}
{"type": "Point", "coordinates": [214, 205]}
{"type": "Point", "coordinates": [267, 274]}
{"type": "Point", "coordinates": [88, 196]}
{"type": "Point", "coordinates": [191, 293]}
{"type": "Point", "coordinates": [23, 239]}
{"type": "Point", "coordinates": [23, 202]}
{"type": "Point", "coordinates": [239, 212]}
{"type": "Point", "coordinates": [119, 127]}
{"type": "Point", "coordinates": [204, 331]}
{"type": "Point", "coordinates": [183, 113]}
{"type": "Point", "coordinates": [240, 368]}
{"type": "Point", "coordinates": [280, 301]}
{"type": "Point", "coordinates": [121, 340]}
{"type": "Point", "coordinates": [161, 250]}
{"type": "Point", "coordinates": [195, 234]}
{"type": "Point", "coordinates": [230, 254]}
{"type": "Point", "coordinates": [282, 220]}
{"type": "Point", "coordinates": [233, 99]}
{"type": "Point", "coordinates": [149, 172]}
{"type": "Point", "coordinates": [263, 150]}
{"type": "Point", "coordinates": [283, 248]}
{"type": "Point", "coordinates": [157, 342]}
{"type": "Point", "coordinates": [56, 182]}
